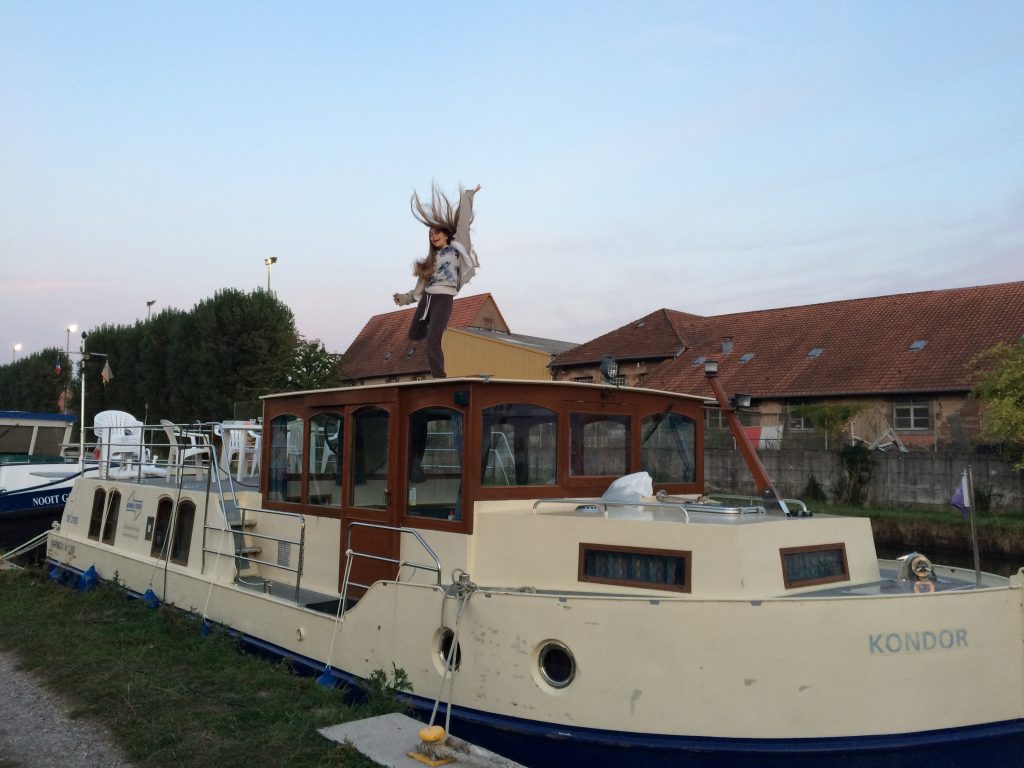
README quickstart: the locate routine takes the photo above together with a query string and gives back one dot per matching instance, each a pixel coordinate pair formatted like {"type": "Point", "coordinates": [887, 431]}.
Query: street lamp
{"type": "Point", "coordinates": [149, 307]}
{"type": "Point", "coordinates": [270, 262]}
{"type": "Point", "coordinates": [67, 354]}
{"type": "Point", "coordinates": [14, 352]}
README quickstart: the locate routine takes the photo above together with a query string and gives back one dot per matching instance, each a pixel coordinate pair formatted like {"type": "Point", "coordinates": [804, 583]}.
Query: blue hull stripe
{"type": "Point", "coordinates": [543, 745]}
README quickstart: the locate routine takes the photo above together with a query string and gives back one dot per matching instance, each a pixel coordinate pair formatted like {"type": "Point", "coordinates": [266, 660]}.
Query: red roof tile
{"type": "Point", "coordinates": [656, 336]}
{"type": "Point", "coordinates": [865, 344]}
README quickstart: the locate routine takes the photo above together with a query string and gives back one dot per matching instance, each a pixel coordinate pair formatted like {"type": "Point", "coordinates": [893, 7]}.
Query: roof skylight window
{"type": "Point", "coordinates": [918, 345]}
{"type": "Point", "coordinates": [700, 360]}
{"type": "Point", "coordinates": [747, 357]}
{"type": "Point", "coordinates": [816, 352]}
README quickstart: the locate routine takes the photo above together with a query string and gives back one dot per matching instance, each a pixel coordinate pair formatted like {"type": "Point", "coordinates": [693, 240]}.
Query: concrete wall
{"type": "Point", "coordinates": [899, 479]}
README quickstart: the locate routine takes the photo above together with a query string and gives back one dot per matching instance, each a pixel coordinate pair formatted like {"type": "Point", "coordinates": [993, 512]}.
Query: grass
{"type": "Point", "coordinates": [170, 697]}
{"type": "Point", "coordinates": [942, 528]}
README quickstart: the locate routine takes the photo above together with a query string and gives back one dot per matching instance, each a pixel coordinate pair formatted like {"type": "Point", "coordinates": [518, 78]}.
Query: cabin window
{"type": "Point", "coordinates": [160, 529]}
{"type": "Point", "coordinates": [599, 444]}
{"type": "Point", "coordinates": [635, 567]}
{"type": "Point", "coordinates": [369, 458]}
{"type": "Point", "coordinates": [99, 502]}
{"type": "Point", "coordinates": [110, 524]}
{"type": "Point", "coordinates": [911, 415]}
{"type": "Point", "coordinates": [668, 442]}
{"type": "Point", "coordinates": [284, 481]}
{"type": "Point", "coordinates": [435, 463]}
{"type": "Point", "coordinates": [325, 445]}
{"type": "Point", "coordinates": [181, 543]}
{"type": "Point", "coordinates": [519, 445]}
{"type": "Point", "coordinates": [820, 564]}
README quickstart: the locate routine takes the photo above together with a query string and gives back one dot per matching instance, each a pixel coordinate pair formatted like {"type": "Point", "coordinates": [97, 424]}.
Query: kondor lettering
{"type": "Point", "coordinates": [891, 643]}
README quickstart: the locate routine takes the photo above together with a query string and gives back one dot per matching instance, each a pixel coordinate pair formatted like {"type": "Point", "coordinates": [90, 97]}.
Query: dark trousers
{"type": "Point", "coordinates": [428, 323]}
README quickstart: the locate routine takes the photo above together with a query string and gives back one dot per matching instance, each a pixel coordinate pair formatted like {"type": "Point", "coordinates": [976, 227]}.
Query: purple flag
{"type": "Point", "coordinates": [959, 499]}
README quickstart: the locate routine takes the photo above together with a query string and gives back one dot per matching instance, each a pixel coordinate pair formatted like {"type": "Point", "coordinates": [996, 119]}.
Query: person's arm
{"type": "Point", "coordinates": [465, 218]}
{"type": "Point", "coordinates": [410, 297]}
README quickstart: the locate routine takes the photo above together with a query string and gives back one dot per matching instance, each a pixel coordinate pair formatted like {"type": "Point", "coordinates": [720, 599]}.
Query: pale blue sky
{"type": "Point", "coordinates": [709, 157]}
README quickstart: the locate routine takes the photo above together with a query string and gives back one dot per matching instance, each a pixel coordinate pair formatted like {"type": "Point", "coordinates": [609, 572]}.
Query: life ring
{"type": "Point", "coordinates": [924, 586]}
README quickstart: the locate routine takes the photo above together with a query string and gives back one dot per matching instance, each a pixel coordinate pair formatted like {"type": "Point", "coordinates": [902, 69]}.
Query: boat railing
{"type": "Point", "coordinates": [794, 505]}
{"type": "Point", "coordinates": [602, 506]}
{"type": "Point", "coordinates": [350, 553]}
{"type": "Point", "coordinates": [238, 529]}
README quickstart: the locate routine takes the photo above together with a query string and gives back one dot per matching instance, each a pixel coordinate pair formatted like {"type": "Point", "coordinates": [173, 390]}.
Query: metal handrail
{"type": "Point", "coordinates": [435, 568]}
{"type": "Point", "coordinates": [788, 502]}
{"type": "Point", "coordinates": [603, 504]}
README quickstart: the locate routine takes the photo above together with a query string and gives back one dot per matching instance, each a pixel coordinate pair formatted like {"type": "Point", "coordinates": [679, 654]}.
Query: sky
{"type": "Point", "coordinates": [708, 157]}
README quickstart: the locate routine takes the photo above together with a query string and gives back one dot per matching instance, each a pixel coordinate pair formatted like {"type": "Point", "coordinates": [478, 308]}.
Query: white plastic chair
{"type": "Point", "coordinates": [119, 435]}
{"type": "Point", "coordinates": [235, 446]}
{"type": "Point", "coordinates": [185, 446]}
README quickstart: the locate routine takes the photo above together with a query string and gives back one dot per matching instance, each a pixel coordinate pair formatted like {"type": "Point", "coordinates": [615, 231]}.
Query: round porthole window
{"type": "Point", "coordinates": [557, 665]}
{"type": "Point", "coordinates": [444, 648]}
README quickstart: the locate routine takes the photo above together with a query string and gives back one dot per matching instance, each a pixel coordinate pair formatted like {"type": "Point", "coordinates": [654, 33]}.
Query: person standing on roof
{"type": "Point", "coordinates": [449, 264]}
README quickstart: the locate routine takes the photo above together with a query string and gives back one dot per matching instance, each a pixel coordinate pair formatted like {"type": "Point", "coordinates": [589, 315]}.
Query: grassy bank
{"type": "Point", "coordinates": [170, 697]}
{"type": "Point", "coordinates": [942, 529]}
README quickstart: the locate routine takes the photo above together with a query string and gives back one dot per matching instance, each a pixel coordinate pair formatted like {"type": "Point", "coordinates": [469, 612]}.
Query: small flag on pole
{"type": "Point", "coordinates": [106, 375]}
{"type": "Point", "coordinates": [961, 499]}
{"type": "Point", "coordinates": [56, 366]}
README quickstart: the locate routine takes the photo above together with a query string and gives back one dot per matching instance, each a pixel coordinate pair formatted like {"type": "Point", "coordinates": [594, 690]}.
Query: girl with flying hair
{"type": "Point", "coordinates": [449, 264]}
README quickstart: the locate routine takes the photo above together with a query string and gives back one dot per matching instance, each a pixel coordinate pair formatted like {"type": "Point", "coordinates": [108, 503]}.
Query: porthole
{"type": "Point", "coordinates": [556, 664]}
{"type": "Point", "coordinates": [444, 648]}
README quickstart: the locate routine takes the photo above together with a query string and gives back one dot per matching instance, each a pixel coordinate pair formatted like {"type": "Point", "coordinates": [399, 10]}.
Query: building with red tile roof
{"type": "Point", "coordinates": [905, 358]}
{"type": "Point", "coordinates": [477, 341]}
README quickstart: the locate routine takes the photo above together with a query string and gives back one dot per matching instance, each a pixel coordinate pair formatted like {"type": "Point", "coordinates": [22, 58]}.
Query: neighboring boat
{"type": "Point", "coordinates": [35, 472]}
{"type": "Point", "coordinates": [456, 529]}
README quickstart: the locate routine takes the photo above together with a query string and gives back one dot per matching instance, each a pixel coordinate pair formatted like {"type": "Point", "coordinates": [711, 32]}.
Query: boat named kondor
{"type": "Point", "coordinates": [541, 556]}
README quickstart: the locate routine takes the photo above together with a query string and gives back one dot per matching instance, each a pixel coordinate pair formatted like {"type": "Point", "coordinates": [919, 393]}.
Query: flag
{"type": "Point", "coordinates": [106, 374]}
{"type": "Point", "coordinates": [56, 366]}
{"type": "Point", "coordinates": [960, 498]}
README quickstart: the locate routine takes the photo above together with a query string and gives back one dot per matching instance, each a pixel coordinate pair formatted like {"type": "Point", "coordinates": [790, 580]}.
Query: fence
{"type": "Point", "coordinates": [898, 479]}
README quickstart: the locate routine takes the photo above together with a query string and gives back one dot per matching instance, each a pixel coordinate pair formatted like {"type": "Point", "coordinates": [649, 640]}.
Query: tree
{"type": "Point", "coordinates": [314, 367]}
{"type": "Point", "coordinates": [1000, 387]}
{"type": "Point", "coordinates": [856, 462]}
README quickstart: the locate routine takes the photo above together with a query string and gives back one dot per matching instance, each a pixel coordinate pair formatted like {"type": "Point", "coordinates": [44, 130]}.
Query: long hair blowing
{"type": "Point", "coordinates": [439, 214]}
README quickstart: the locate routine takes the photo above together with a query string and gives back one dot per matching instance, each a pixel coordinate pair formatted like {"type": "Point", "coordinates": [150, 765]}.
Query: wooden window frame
{"type": "Point", "coordinates": [686, 555]}
{"type": "Point", "coordinates": [796, 583]}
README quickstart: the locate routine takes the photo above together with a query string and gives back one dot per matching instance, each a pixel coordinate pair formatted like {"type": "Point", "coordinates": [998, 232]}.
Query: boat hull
{"type": "Point", "coordinates": [541, 743]}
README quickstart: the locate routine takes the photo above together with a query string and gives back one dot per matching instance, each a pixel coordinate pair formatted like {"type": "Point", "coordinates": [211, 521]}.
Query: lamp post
{"type": "Point", "coordinates": [149, 308]}
{"type": "Point", "coordinates": [270, 262]}
{"type": "Point", "coordinates": [67, 354]}
{"type": "Point", "coordinates": [14, 352]}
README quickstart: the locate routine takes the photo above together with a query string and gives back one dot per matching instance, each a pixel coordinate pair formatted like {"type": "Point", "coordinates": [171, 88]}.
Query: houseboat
{"type": "Point", "coordinates": [540, 558]}
{"type": "Point", "coordinates": [36, 473]}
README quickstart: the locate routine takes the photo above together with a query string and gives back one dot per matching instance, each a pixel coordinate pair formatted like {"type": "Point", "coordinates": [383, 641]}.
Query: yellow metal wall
{"type": "Point", "coordinates": [466, 354]}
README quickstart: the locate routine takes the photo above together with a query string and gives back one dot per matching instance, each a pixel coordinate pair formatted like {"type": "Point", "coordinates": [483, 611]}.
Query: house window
{"type": "Point", "coordinates": [716, 419]}
{"type": "Point", "coordinates": [584, 379]}
{"type": "Point", "coordinates": [618, 381]}
{"type": "Point", "coordinates": [911, 414]}
{"type": "Point", "coordinates": [798, 419]}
